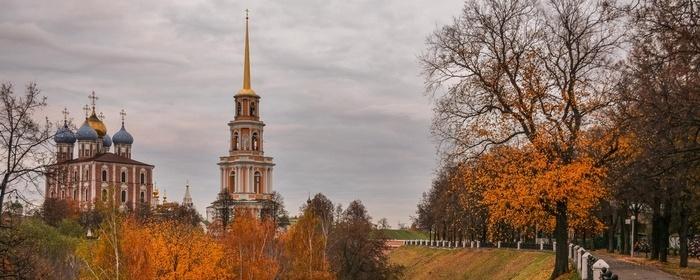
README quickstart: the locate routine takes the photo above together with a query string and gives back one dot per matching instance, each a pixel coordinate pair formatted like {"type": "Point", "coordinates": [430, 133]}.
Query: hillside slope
{"type": "Point", "coordinates": [427, 263]}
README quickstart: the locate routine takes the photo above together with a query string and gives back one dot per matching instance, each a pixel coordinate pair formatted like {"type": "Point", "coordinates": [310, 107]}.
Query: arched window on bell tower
{"type": "Point", "coordinates": [256, 144]}
{"type": "Point", "coordinates": [123, 200]}
{"type": "Point", "coordinates": [256, 182]}
{"type": "Point", "coordinates": [235, 140]}
{"type": "Point", "coordinates": [252, 109]}
{"type": "Point", "coordinates": [232, 181]}
{"type": "Point", "coordinates": [104, 175]}
{"type": "Point", "coordinates": [239, 108]}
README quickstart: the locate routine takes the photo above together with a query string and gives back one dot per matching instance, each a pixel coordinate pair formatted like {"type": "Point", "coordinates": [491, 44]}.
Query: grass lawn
{"type": "Point", "coordinates": [429, 263]}
{"type": "Point", "coordinates": [402, 234]}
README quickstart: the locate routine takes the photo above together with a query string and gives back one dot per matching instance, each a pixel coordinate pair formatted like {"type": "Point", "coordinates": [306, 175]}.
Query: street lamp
{"type": "Point", "coordinates": [632, 247]}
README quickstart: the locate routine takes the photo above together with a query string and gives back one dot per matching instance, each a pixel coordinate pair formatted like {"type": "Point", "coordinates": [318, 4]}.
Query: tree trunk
{"type": "Point", "coordinates": [3, 190]}
{"type": "Point", "coordinates": [623, 233]}
{"type": "Point", "coordinates": [683, 237]}
{"type": "Point", "coordinates": [665, 221]}
{"type": "Point", "coordinates": [561, 261]}
{"type": "Point", "coordinates": [655, 231]}
{"type": "Point", "coordinates": [611, 234]}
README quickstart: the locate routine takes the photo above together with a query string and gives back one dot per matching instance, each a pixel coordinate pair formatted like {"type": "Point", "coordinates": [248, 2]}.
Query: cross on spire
{"type": "Point", "coordinates": [102, 116]}
{"type": "Point", "coordinates": [65, 115]}
{"type": "Point", "coordinates": [87, 110]}
{"type": "Point", "coordinates": [94, 98]}
{"type": "Point", "coordinates": [123, 114]}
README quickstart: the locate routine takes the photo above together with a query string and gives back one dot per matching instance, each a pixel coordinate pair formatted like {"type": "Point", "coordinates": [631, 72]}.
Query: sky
{"type": "Point", "coordinates": [341, 90]}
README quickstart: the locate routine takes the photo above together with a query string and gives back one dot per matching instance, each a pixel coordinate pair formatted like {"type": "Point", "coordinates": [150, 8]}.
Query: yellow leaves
{"type": "Point", "coordinates": [521, 187]}
{"type": "Point", "coordinates": [250, 248]}
{"type": "Point", "coordinates": [304, 250]}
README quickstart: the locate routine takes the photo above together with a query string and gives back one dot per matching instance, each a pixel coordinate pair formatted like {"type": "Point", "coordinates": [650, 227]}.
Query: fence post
{"type": "Point", "coordinates": [499, 244]}
{"type": "Point", "coordinates": [541, 245]}
{"type": "Point", "coordinates": [519, 244]}
{"type": "Point", "coordinates": [584, 266]}
{"type": "Point", "coordinates": [579, 256]}
{"type": "Point", "coordinates": [575, 253]}
{"type": "Point", "coordinates": [478, 244]}
{"type": "Point", "coordinates": [598, 268]}
{"type": "Point", "coordinates": [554, 246]}
{"type": "Point", "coordinates": [571, 250]}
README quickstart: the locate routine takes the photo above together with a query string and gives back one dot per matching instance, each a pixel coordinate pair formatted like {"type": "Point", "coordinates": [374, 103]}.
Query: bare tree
{"type": "Point", "coordinates": [25, 149]}
{"type": "Point", "coordinates": [518, 72]}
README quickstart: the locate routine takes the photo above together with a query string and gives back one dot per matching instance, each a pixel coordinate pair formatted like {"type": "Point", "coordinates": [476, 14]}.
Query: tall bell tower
{"type": "Point", "coordinates": [246, 173]}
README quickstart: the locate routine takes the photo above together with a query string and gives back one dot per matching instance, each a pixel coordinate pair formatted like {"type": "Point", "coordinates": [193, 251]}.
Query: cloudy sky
{"type": "Point", "coordinates": [342, 94]}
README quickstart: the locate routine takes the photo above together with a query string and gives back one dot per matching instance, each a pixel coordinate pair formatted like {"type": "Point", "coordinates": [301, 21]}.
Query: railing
{"type": "Point", "coordinates": [588, 266]}
{"type": "Point", "coordinates": [478, 244]}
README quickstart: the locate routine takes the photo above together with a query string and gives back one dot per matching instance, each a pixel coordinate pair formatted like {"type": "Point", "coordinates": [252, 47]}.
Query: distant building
{"type": "Point", "coordinates": [187, 200]}
{"type": "Point", "coordinates": [103, 166]}
{"type": "Point", "coordinates": [245, 172]}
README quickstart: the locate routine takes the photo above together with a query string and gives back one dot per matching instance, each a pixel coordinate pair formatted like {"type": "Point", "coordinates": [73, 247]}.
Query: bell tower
{"type": "Point", "coordinates": [246, 173]}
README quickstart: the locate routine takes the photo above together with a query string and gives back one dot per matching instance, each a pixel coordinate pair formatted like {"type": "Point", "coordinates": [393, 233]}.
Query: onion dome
{"type": "Point", "coordinates": [122, 137]}
{"type": "Point", "coordinates": [107, 141]}
{"type": "Point", "coordinates": [64, 135]}
{"type": "Point", "coordinates": [97, 124]}
{"type": "Point", "coordinates": [86, 132]}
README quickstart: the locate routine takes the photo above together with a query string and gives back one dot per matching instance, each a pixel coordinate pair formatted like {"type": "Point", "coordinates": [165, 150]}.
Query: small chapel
{"type": "Point", "coordinates": [93, 167]}
{"type": "Point", "coordinates": [245, 171]}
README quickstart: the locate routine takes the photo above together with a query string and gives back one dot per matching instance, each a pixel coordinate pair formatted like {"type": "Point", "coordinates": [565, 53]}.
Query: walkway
{"type": "Point", "coordinates": [627, 270]}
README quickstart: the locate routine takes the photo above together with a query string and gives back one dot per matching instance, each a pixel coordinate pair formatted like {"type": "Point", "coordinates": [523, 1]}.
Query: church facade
{"type": "Point", "coordinates": [103, 169]}
{"type": "Point", "coordinates": [245, 171]}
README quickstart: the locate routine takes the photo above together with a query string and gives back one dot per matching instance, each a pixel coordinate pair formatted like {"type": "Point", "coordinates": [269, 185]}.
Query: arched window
{"type": "Point", "coordinates": [123, 177]}
{"type": "Point", "coordinates": [104, 194]}
{"type": "Point", "coordinates": [143, 197]}
{"type": "Point", "coordinates": [53, 194]}
{"type": "Point", "coordinates": [75, 176]}
{"type": "Point", "coordinates": [143, 179]}
{"type": "Point", "coordinates": [252, 109]}
{"type": "Point", "coordinates": [87, 174]}
{"type": "Point", "coordinates": [235, 140]}
{"type": "Point", "coordinates": [255, 141]}
{"type": "Point", "coordinates": [232, 181]}
{"type": "Point", "coordinates": [123, 196]}
{"type": "Point", "coordinates": [75, 193]}
{"type": "Point", "coordinates": [256, 182]}
{"type": "Point", "coordinates": [239, 108]}
{"type": "Point", "coordinates": [104, 175]}
{"type": "Point", "coordinates": [85, 194]}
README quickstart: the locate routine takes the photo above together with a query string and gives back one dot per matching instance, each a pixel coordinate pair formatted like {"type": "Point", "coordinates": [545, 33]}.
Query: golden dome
{"type": "Point", "coordinates": [97, 125]}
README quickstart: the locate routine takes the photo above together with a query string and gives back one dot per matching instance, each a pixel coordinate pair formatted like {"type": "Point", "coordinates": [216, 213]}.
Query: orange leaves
{"type": "Point", "coordinates": [522, 187]}
{"type": "Point", "coordinates": [251, 248]}
{"type": "Point", "coordinates": [304, 250]}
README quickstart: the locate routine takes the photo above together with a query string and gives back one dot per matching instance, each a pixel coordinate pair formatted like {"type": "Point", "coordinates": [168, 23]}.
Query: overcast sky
{"type": "Point", "coordinates": [341, 90]}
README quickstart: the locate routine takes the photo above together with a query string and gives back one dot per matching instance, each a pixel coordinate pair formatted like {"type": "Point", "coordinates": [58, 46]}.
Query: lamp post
{"type": "Point", "coordinates": [632, 238]}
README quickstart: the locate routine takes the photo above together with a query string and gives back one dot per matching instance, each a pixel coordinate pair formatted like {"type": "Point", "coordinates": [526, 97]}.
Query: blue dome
{"type": "Point", "coordinates": [122, 137]}
{"type": "Point", "coordinates": [86, 132]}
{"type": "Point", "coordinates": [107, 141]}
{"type": "Point", "coordinates": [64, 135]}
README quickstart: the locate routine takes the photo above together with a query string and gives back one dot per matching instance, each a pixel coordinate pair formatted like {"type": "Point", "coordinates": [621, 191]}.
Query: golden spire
{"type": "Point", "coordinates": [246, 63]}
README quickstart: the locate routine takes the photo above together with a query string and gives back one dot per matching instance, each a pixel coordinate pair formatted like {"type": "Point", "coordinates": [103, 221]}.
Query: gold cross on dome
{"type": "Point", "coordinates": [102, 116]}
{"type": "Point", "coordinates": [65, 114]}
{"type": "Point", "coordinates": [94, 98]}
{"type": "Point", "coordinates": [123, 114]}
{"type": "Point", "coordinates": [87, 110]}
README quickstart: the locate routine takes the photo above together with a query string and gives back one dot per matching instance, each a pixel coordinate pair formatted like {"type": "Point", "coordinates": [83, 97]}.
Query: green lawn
{"type": "Point", "coordinates": [402, 234]}
{"type": "Point", "coordinates": [429, 263]}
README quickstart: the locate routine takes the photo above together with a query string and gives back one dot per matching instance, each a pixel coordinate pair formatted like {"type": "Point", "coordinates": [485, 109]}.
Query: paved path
{"type": "Point", "coordinates": [626, 270]}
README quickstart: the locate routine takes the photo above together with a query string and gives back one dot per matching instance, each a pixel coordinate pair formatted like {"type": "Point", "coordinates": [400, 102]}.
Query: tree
{"type": "Point", "coordinates": [250, 248]}
{"type": "Point", "coordinates": [660, 94]}
{"type": "Point", "coordinates": [383, 223]}
{"type": "Point", "coordinates": [305, 249]}
{"type": "Point", "coordinates": [517, 72]}
{"type": "Point", "coordinates": [24, 142]}
{"type": "Point", "coordinates": [356, 251]}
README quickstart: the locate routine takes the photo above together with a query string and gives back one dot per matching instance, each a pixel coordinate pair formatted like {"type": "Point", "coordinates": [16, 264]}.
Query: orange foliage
{"type": "Point", "coordinates": [522, 186]}
{"type": "Point", "coordinates": [250, 248]}
{"type": "Point", "coordinates": [304, 246]}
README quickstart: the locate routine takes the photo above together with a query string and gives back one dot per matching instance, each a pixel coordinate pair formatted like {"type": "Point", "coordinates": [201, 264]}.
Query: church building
{"type": "Point", "coordinates": [245, 171]}
{"type": "Point", "coordinates": [103, 167]}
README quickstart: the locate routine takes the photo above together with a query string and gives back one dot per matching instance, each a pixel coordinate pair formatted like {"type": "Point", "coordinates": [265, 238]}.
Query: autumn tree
{"type": "Point", "coordinates": [518, 72]}
{"type": "Point", "coordinates": [251, 250]}
{"type": "Point", "coordinates": [25, 149]}
{"type": "Point", "coordinates": [356, 251]}
{"type": "Point", "coordinates": [661, 100]}
{"type": "Point", "coordinates": [305, 249]}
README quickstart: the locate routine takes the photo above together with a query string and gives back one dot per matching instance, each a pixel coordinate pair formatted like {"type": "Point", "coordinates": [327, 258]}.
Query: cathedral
{"type": "Point", "coordinates": [246, 173]}
{"type": "Point", "coordinates": [103, 168]}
